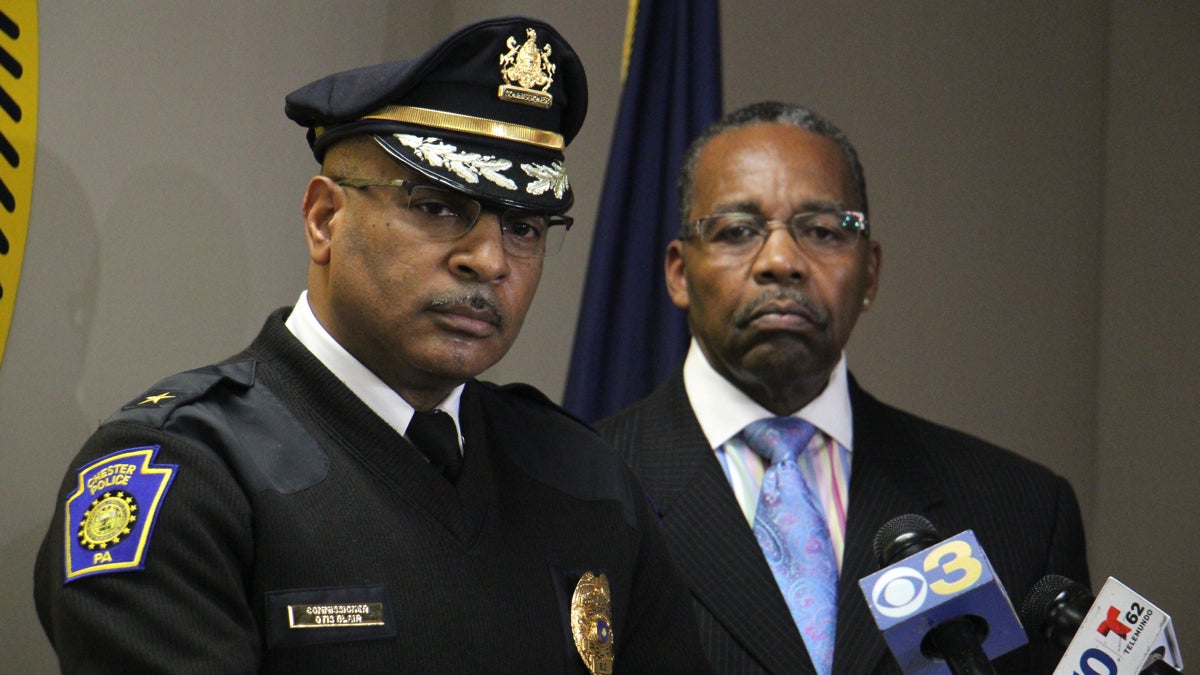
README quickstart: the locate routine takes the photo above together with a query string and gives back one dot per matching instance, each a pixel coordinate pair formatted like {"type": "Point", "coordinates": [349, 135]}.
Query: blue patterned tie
{"type": "Point", "coordinates": [793, 535]}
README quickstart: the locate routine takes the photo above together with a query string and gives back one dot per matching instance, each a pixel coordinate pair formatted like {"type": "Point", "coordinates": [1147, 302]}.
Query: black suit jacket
{"type": "Point", "coordinates": [1025, 517]}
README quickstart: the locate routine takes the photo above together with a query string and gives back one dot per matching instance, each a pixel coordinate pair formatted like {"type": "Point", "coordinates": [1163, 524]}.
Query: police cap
{"type": "Point", "coordinates": [487, 111]}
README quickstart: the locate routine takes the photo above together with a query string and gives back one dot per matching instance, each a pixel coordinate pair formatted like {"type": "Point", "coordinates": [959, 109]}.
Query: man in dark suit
{"type": "Point", "coordinates": [774, 264]}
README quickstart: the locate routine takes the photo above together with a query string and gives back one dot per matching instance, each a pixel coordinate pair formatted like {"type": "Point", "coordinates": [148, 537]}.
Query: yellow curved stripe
{"type": "Point", "coordinates": [627, 49]}
{"type": "Point", "coordinates": [18, 140]}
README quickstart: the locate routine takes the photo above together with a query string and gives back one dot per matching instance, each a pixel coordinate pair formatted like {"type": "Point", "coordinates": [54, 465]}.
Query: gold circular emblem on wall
{"type": "Point", "coordinates": [108, 520]}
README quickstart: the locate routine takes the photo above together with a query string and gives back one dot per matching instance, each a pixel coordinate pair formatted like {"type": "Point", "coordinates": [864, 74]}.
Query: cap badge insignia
{"type": "Point", "coordinates": [527, 72]}
{"type": "Point", "coordinates": [591, 617]}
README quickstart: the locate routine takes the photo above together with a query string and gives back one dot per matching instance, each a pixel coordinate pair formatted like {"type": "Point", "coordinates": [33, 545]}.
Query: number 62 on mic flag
{"type": "Point", "coordinates": [1121, 634]}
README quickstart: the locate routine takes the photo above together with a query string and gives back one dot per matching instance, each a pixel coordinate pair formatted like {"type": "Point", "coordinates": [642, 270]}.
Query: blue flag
{"type": "Point", "coordinates": [630, 336]}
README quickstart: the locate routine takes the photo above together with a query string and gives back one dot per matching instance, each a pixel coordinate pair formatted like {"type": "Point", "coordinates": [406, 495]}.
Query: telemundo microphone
{"type": "Point", "coordinates": [939, 604]}
{"type": "Point", "coordinates": [1118, 632]}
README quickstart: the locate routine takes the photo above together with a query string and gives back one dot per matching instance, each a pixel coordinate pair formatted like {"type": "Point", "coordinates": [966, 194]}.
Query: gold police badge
{"type": "Point", "coordinates": [527, 72]}
{"type": "Point", "coordinates": [591, 617]}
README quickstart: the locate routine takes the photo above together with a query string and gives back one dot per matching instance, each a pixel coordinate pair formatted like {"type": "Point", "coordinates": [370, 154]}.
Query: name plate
{"type": "Point", "coordinates": [335, 615]}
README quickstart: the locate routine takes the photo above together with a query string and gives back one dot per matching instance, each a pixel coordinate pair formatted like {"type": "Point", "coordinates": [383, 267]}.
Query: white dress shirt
{"type": "Point", "coordinates": [723, 411]}
{"type": "Point", "coordinates": [366, 385]}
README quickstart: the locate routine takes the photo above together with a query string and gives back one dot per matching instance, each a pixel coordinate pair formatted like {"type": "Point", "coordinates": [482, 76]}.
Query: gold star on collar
{"type": "Point", "coordinates": [157, 398]}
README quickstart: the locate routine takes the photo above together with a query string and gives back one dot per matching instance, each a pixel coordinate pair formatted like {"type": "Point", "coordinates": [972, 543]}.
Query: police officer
{"type": "Point", "coordinates": [344, 495]}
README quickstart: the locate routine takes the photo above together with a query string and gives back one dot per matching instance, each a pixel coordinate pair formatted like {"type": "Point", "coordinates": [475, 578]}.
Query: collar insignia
{"type": "Point", "coordinates": [591, 623]}
{"type": "Point", "coordinates": [527, 72]}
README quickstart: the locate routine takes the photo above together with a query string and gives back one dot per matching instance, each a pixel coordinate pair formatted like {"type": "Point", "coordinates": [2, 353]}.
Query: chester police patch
{"type": "Point", "coordinates": [111, 514]}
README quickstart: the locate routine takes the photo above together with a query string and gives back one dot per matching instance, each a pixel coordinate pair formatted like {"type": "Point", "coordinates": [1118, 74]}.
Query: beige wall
{"type": "Point", "coordinates": [1145, 518]}
{"type": "Point", "coordinates": [1031, 167]}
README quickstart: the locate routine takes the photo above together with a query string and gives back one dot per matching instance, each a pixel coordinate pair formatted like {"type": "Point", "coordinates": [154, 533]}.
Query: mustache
{"type": "Point", "coordinates": [791, 300]}
{"type": "Point", "coordinates": [478, 300]}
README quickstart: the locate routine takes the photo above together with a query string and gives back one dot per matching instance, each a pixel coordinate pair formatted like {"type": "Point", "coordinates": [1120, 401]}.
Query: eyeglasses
{"type": "Point", "coordinates": [445, 215]}
{"type": "Point", "coordinates": [737, 234]}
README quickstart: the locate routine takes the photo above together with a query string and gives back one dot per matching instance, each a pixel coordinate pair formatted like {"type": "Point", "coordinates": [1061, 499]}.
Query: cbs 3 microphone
{"type": "Point", "coordinates": [938, 602]}
{"type": "Point", "coordinates": [1118, 632]}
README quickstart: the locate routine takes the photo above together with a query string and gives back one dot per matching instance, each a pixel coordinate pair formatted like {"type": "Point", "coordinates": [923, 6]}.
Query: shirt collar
{"type": "Point", "coordinates": [366, 385]}
{"type": "Point", "coordinates": [723, 410]}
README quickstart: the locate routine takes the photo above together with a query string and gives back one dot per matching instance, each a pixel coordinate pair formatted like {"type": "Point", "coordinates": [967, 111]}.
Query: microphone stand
{"type": "Point", "coordinates": [957, 642]}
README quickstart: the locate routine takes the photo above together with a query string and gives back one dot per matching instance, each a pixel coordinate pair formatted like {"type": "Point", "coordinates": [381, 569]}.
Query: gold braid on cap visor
{"type": "Point", "coordinates": [472, 125]}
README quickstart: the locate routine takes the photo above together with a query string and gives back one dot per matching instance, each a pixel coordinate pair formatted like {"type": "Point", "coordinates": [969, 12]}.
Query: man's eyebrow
{"type": "Point", "coordinates": [822, 205]}
{"type": "Point", "coordinates": [751, 206]}
{"type": "Point", "coordinates": [745, 206]}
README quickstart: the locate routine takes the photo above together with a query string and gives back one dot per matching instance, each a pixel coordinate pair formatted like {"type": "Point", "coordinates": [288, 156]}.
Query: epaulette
{"type": "Point", "coordinates": [263, 443]}
{"type": "Point", "coordinates": [565, 453]}
{"type": "Point", "coordinates": [156, 405]}
{"type": "Point", "coordinates": [532, 393]}
{"type": "Point", "coordinates": [217, 409]}
{"type": "Point", "coordinates": [110, 515]}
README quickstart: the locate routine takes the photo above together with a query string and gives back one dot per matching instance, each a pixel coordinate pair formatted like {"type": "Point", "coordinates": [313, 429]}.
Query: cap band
{"type": "Point", "coordinates": [472, 125]}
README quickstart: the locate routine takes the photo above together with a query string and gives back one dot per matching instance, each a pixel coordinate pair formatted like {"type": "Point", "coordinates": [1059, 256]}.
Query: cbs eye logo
{"type": "Point", "coordinates": [899, 592]}
{"type": "Point", "coordinates": [946, 570]}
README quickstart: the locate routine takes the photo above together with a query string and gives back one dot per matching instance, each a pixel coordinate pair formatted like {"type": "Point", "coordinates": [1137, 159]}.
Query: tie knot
{"type": "Point", "coordinates": [779, 439]}
{"type": "Point", "coordinates": [436, 437]}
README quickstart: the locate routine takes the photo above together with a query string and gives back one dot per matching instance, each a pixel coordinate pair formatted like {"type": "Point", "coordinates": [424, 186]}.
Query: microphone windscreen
{"type": "Point", "coordinates": [902, 537]}
{"type": "Point", "coordinates": [1055, 608]}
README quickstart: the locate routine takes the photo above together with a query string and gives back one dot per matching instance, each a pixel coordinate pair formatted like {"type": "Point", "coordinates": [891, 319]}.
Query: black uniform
{"type": "Point", "coordinates": [256, 516]}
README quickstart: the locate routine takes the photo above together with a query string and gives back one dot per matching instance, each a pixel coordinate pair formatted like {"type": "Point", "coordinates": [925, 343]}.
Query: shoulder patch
{"type": "Point", "coordinates": [110, 516]}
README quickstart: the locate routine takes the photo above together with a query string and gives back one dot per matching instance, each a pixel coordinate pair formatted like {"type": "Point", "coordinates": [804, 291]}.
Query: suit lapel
{"type": "Point", "coordinates": [717, 552]}
{"type": "Point", "coordinates": [714, 546]}
{"type": "Point", "coordinates": [888, 478]}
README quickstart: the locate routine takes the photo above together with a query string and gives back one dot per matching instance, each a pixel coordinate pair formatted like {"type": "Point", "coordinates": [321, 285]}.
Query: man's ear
{"type": "Point", "coordinates": [676, 274]}
{"type": "Point", "coordinates": [323, 199]}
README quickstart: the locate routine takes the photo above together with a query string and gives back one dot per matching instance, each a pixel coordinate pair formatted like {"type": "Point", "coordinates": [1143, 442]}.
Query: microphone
{"type": "Point", "coordinates": [1122, 632]}
{"type": "Point", "coordinates": [1159, 667]}
{"type": "Point", "coordinates": [939, 604]}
